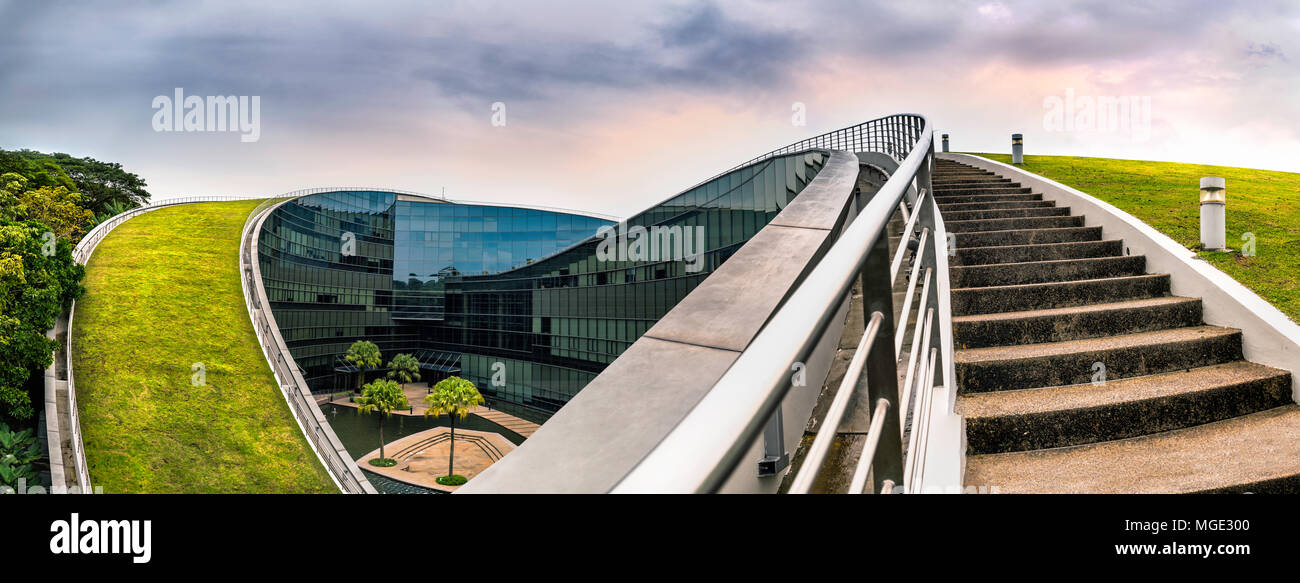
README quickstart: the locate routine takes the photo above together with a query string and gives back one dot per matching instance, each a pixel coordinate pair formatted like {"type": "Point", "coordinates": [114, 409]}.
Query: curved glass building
{"type": "Point", "coordinates": [528, 304]}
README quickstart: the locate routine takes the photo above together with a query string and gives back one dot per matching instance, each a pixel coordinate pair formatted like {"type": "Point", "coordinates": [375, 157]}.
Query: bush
{"type": "Point", "coordinates": [383, 462]}
{"type": "Point", "coordinates": [18, 451]}
{"type": "Point", "coordinates": [452, 480]}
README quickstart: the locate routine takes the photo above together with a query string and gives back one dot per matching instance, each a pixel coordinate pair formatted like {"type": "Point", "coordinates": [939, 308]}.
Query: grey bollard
{"type": "Point", "coordinates": [945, 142]}
{"type": "Point", "coordinates": [1214, 191]}
{"type": "Point", "coordinates": [1017, 149]}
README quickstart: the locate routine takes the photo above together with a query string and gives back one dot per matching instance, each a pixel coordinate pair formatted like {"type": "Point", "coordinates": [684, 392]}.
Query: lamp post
{"type": "Point", "coordinates": [1017, 149]}
{"type": "Point", "coordinates": [1214, 191]}
{"type": "Point", "coordinates": [945, 142]}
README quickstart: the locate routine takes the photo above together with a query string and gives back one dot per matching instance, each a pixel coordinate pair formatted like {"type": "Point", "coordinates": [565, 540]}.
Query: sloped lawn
{"type": "Point", "coordinates": [163, 293]}
{"type": "Point", "coordinates": [1165, 196]}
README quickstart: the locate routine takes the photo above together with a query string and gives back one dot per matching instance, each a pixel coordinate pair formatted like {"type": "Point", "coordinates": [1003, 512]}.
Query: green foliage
{"type": "Point", "coordinates": [452, 480]}
{"type": "Point", "coordinates": [382, 396]}
{"type": "Point", "coordinates": [35, 287]}
{"type": "Point", "coordinates": [365, 355]}
{"type": "Point", "coordinates": [1262, 203]}
{"type": "Point", "coordinates": [101, 183]}
{"type": "Point", "coordinates": [18, 451]}
{"type": "Point", "coordinates": [39, 170]}
{"type": "Point", "coordinates": [382, 462]}
{"type": "Point", "coordinates": [453, 396]}
{"type": "Point", "coordinates": [405, 369]}
{"type": "Point", "coordinates": [112, 209]}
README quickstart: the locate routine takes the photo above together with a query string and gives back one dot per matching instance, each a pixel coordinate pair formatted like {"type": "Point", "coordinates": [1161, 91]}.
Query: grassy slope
{"type": "Point", "coordinates": [1165, 195]}
{"type": "Point", "coordinates": [163, 292]}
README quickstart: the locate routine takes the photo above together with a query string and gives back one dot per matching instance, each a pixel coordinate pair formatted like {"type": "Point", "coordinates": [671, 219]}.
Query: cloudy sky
{"type": "Point", "coordinates": [613, 106]}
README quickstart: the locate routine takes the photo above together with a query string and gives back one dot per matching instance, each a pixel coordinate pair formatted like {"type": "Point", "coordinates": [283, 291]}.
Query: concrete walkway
{"type": "Point", "coordinates": [415, 396]}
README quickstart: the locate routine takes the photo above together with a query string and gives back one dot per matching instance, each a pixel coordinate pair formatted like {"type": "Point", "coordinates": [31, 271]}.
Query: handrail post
{"type": "Point", "coordinates": [882, 366]}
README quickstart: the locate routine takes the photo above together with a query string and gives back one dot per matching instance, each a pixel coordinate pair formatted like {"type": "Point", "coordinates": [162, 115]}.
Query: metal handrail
{"type": "Point", "coordinates": [342, 469]}
{"type": "Point", "coordinates": [706, 446]}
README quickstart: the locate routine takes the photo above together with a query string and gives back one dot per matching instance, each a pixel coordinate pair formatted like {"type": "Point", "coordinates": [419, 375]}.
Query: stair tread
{"type": "Point", "coordinates": [1057, 283]}
{"type": "Point", "coordinates": [1045, 262]}
{"type": "Point", "coordinates": [1023, 351]}
{"type": "Point", "coordinates": [1085, 309]}
{"type": "Point", "coordinates": [1016, 231]}
{"type": "Point", "coordinates": [1056, 245]}
{"type": "Point", "coordinates": [1114, 391]}
{"type": "Point", "coordinates": [1231, 453]}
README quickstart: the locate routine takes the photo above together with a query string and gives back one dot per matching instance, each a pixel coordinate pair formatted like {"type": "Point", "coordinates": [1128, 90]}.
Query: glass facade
{"type": "Point", "coordinates": [530, 305]}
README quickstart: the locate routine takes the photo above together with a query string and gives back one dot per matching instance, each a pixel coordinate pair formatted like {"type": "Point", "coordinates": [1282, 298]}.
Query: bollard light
{"type": "Point", "coordinates": [1214, 198]}
{"type": "Point", "coordinates": [1017, 149]}
{"type": "Point", "coordinates": [945, 142]}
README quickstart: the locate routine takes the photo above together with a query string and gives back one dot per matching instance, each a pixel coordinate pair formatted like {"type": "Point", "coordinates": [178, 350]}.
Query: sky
{"type": "Point", "coordinates": [612, 107]}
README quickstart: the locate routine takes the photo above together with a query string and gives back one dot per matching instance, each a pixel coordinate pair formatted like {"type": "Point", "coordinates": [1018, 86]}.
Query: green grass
{"type": "Point", "coordinates": [452, 480]}
{"type": "Point", "coordinates": [1165, 196]}
{"type": "Point", "coordinates": [163, 293]}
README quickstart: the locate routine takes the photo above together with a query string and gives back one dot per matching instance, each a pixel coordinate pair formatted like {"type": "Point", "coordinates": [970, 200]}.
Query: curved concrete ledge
{"type": "Point", "coordinates": [311, 421]}
{"type": "Point", "coordinates": [626, 411]}
{"type": "Point", "coordinates": [1268, 336]}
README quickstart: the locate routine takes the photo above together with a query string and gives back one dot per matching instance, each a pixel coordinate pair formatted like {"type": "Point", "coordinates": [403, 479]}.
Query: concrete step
{"type": "Point", "coordinates": [1063, 294]}
{"type": "Point", "coordinates": [1039, 211]}
{"type": "Point", "coordinates": [1017, 223]}
{"type": "Point", "coordinates": [1026, 237]}
{"type": "Point", "coordinates": [1043, 252]}
{"type": "Point", "coordinates": [1069, 415]}
{"type": "Point", "coordinates": [1004, 368]}
{"type": "Point", "coordinates": [970, 181]}
{"type": "Point", "coordinates": [942, 200]}
{"type": "Point", "coordinates": [973, 190]}
{"type": "Point", "coordinates": [1046, 271]}
{"type": "Point", "coordinates": [1259, 453]}
{"type": "Point", "coordinates": [1076, 322]}
{"type": "Point", "coordinates": [981, 206]}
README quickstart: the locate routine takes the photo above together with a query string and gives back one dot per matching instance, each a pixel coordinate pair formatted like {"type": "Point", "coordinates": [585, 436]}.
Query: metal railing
{"type": "Point", "coordinates": [707, 446]}
{"type": "Point", "coordinates": [340, 465]}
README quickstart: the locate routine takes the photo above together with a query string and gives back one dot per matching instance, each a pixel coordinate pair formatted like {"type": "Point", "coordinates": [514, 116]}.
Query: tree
{"type": "Point", "coordinates": [38, 281]}
{"type": "Point", "coordinates": [56, 207]}
{"type": "Point", "coordinates": [405, 369]}
{"type": "Point", "coordinates": [382, 396]}
{"type": "Point", "coordinates": [365, 356]}
{"type": "Point", "coordinates": [59, 209]}
{"type": "Point", "coordinates": [100, 183]}
{"type": "Point", "coordinates": [112, 209]}
{"type": "Point", "coordinates": [455, 397]}
{"type": "Point", "coordinates": [37, 168]}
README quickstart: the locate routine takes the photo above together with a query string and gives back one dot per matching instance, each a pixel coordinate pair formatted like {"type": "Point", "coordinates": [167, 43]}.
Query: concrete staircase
{"type": "Point", "coordinates": [1079, 372]}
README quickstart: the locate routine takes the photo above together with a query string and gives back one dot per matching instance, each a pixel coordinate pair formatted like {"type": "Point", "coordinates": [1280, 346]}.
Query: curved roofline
{"type": "Point", "coordinates": [445, 200]}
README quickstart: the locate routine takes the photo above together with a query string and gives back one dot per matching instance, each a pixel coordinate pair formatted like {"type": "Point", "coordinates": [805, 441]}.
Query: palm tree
{"type": "Point", "coordinates": [365, 355]}
{"type": "Point", "coordinates": [113, 208]}
{"type": "Point", "coordinates": [382, 396]}
{"type": "Point", "coordinates": [405, 369]}
{"type": "Point", "coordinates": [455, 397]}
